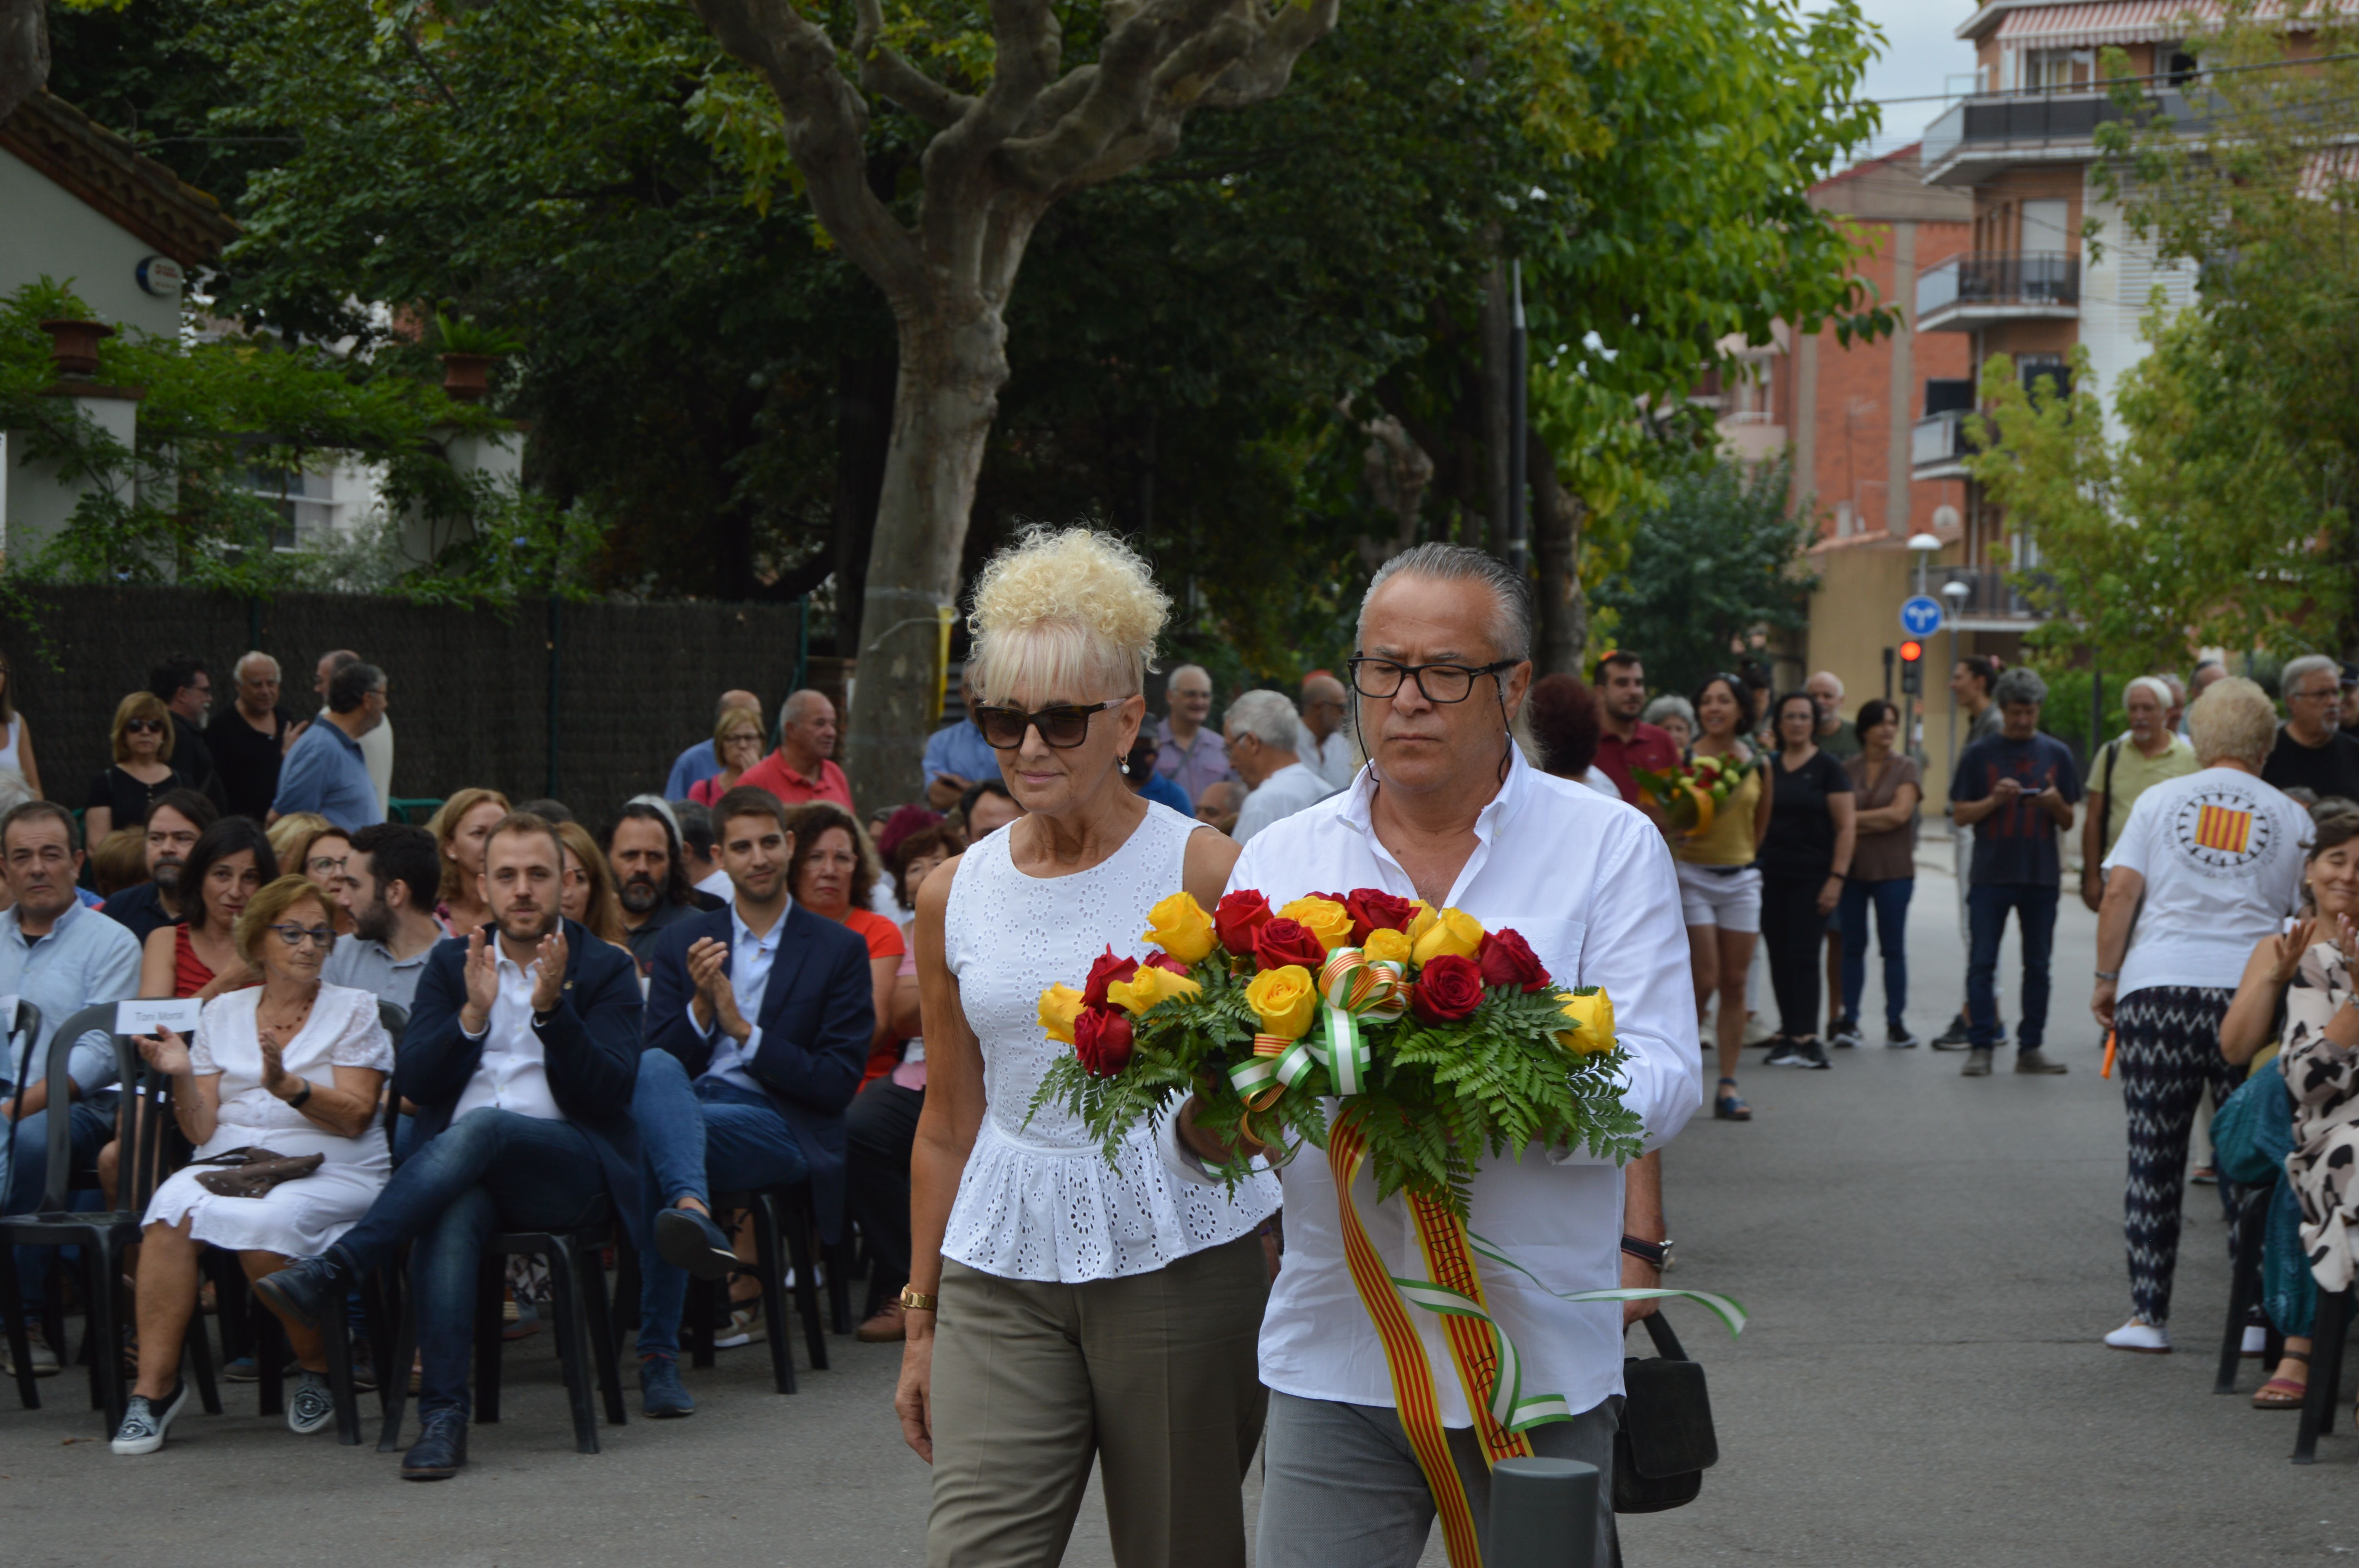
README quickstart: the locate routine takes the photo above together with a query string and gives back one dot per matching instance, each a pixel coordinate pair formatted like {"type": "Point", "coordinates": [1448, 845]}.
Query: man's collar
{"type": "Point", "coordinates": [741, 932]}
{"type": "Point", "coordinates": [12, 921]}
{"type": "Point", "coordinates": [1358, 809]}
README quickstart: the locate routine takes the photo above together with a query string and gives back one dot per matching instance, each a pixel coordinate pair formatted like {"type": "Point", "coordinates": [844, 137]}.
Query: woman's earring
{"type": "Point", "coordinates": [1125, 765]}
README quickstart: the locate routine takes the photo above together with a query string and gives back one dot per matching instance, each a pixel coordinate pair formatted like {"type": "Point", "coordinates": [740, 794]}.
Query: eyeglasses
{"type": "Point", "coordinates": [143, 727]}
{"type": "Point", "coordinates": [1064, 726]}
{"type": "Point", "coordinates": [296, 936]}
{"type": "Point", "coordinates": [323, 866]}
{"type": "Point", "coordinates": [1439, 682]}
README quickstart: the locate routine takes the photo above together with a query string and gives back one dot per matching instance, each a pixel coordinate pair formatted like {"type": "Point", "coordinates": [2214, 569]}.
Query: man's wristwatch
{"type": "Point", "coordinates": [2109, 974]}
{"type": "Point", "coordinates": [1656, 1253]}
{"type": "Point", "coordinates": [916, 1301]}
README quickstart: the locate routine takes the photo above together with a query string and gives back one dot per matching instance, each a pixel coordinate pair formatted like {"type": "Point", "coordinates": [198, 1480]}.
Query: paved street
{"type": "Point", "coordinates": [1928, 1260]}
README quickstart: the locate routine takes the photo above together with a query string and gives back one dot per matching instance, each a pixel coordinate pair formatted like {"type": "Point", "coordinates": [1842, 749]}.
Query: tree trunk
{"type": "Point", "coordinates": [947, 393]}
{"type": "Point", "coordinates": [1556, 528]}
{"type": "Point", "coordinates": [1498, 327]}
{"type": "Point", "coordinates": [24, 51]}
{"type": "Point", "coordinates": [863, 437]}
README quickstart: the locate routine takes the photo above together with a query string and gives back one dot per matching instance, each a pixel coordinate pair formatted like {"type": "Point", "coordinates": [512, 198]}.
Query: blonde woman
{"type": "Point", "coordinates": [142, 772]}
{"type": "Point", "coordinates": [460, 828]}
{"type": "Point", "coordinates": [1062, 1311]}
{"type": "Point", "coordinates": [588, 887]}
{"type": "Point", "coordinates": [737, 743]}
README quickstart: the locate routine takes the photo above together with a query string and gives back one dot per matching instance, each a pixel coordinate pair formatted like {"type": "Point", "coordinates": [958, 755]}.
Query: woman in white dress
{"type": "Point", "coordinates": [1085, 1311]}
{"type": "Point", "coordinates": [290, 1065]}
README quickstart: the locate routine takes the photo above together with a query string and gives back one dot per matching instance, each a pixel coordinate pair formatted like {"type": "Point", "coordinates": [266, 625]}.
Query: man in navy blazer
{"type": "Point", "coordinates": [759, 1017]}
{"type": "Point", "coordinates": [521, 1054]}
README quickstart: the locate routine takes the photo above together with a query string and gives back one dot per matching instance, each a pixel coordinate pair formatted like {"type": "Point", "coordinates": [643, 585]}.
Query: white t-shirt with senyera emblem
{"type": "Point", "coordinates": [2222, 855]}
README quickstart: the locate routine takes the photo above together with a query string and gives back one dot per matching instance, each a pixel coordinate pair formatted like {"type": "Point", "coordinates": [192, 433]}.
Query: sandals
{"type": "Point", "coordinates": [1727, 1107]}
{"type": "Point", "coordinates": [2282, 1393]}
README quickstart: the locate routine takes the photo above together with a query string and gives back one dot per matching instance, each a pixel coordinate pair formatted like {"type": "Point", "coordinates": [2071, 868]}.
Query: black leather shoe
{"type": "Point", "coordinates": [688, 1240]}
{"type": "Point", "coordinates": [660, 1387]}
{"type": "Point", "coordinates": [440, 1451]}
{"type": "Point", "coordinates": [302, 1290]}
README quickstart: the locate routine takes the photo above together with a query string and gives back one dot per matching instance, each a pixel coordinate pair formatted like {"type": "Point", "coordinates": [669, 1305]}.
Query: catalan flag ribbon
{"type": "Point", "coordinates": [2223, 829]}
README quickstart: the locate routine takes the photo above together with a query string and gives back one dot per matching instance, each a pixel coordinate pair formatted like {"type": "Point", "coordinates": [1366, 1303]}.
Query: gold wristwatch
{"type": "Point", "coordinates": [911, 1301]}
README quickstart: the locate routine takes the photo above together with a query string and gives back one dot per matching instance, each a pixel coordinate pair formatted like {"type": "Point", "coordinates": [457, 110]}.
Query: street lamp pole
{"type": "Point", "coordinates": [1519, 453]}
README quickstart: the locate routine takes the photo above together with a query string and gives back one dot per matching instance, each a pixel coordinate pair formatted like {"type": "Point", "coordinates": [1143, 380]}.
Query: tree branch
{"type": "Point", "coordinates": [886, 73]}
{"type": "Point", "coordinates": [1269, 65]}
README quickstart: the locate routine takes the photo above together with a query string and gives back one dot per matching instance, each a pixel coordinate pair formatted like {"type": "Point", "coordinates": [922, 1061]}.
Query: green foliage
{"type": "Point", "coordinates": [1714, 566]}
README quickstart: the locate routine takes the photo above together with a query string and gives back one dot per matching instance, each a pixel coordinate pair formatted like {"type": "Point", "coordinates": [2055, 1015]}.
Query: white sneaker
{"type": "Point", "coordinates": [2256, 1340]}
{"type": "Point", "coordinates": [146, 1421]}
{"type": "Point", "coordinates": [313, 1406]}
{"type": "Point", "coordinates": [2148, 1338]}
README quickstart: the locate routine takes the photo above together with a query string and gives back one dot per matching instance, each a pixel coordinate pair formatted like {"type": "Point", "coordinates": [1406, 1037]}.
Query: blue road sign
{"type": "Point", "coordinates": [1920, 615]}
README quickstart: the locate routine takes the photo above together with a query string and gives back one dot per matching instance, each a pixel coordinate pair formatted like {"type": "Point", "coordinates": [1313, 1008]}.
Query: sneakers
{"type": "Point", "coordinates": [313, 1406]}
{"type": "Point", "coordinates": [440, 1451]}
{"type": "Point", "coordinates": [2203, 1177]}
{"type": "Point", "coordinates": [1897, 1038]}
{"type": "Point", "coordinates": [1978, 1063]}
{"type": "Point", "coordinates": [37, 1351]}
{"type": "Point", "coordinates": [688, 1240]}
{"type": "Point", "coordinates": [1810, 1053]}
{"type": "Point", "coordinates": [146, 1421]}
{"type": "Point", "coordinates": [1954, 1037]}
{"type": "Point", "coordinates": [889, 1327]}
{"type": "Point", "coordinates": [1845, 1035]}
{"type": "Point", "coordinates": [2032, 1059]}
{"type": "Point", "coordinates": [746, 1326]}
{"type": "Point", "coordinates": [2147, 1338]}
{"type": "Point", "coordinates": [1783, 1053]}
{"type": "Point", "coordinates": [240, 1370]}
{"type": "Point", "coordinates": [663, 1395]}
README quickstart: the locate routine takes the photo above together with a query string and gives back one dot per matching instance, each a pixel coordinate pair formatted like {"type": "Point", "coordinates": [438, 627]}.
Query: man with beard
{"type": "Point", "coordinates": [389, 887]}
{"type": "Point", "coordinates": [520, 1057]}
{"type": "Point", "coordinates": [651, 875]}
{"type": "Point", "coordinates": [1625, 741]}
{"type": "Point", "coordinates": [173, 824]}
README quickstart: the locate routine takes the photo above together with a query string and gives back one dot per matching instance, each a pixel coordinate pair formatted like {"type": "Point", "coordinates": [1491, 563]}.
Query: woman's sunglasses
{"type": "Point", "coordinates": [143, 727]}
{"type": "Point", "coordinates": [1063, 726]}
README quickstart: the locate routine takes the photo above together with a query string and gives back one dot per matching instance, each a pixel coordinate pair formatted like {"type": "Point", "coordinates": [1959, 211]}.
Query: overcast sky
{"type": "Point", "coordinates": [1919, 53]}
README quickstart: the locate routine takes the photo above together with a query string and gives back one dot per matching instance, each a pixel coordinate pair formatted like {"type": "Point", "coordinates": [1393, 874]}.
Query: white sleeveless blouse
{"type": "Point", "coordinates": [1040, 1202]}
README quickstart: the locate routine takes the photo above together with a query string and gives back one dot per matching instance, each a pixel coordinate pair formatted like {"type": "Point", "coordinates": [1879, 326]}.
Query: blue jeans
{"type": "Point", "coordinates": [489, 1171]}
{"type": "Point", "coordinates": [2034, 915]}
{"type": "Point", "coordinates": [88, 1128]}
{"type": "Point", "coordinates": [692, 1139]}
{"type": "Point", "coordinates": [1890, 900]}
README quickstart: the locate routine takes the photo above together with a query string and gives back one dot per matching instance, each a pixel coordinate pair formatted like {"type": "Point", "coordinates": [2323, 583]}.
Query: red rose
{"type": "Point", "coordinates": [1103, 971]}
{"type": "Point", "coordinates": [1507, 959]}
{"type": "Point", "coordinates": [1164, 961]}
{"type": "Point", "coordinates": [1239, 919]}
{"type": "Point", "coordinates": [1374, 910]}
{"type": "Point", "coordinates": [1101, 1039]}
{"type": "Point", "coordinates": [1284, 942]}
{"type": "Point", "coordinates": [1448, 988]}
{"type": "Point", "coordinates": [1330, 897]}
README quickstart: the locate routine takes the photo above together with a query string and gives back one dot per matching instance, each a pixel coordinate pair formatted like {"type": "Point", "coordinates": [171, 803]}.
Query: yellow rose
{"type": "Point", "coordinates": [1180, 927]}
{"type": "Point", "coordinates": [1421, 922]}
{"type": "Point", "coordinates": [1453, 931]}
{"type": "Point", "coordinates": [1149, 986]}
{"type": "Point", "coordinates": [1326, 919]}
{"type": "Point", "coordinates": [1387, 946]}
{"type": "Point", "coordinates": [1060, 1005]}
{"type": "Point", "coordinates": [1285, 999]}
{"type": "Point", "coordinates": [1593, 1011]}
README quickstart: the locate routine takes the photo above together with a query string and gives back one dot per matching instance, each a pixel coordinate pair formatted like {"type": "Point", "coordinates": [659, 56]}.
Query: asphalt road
{"type": "Point", "coordinates": [1929, 1261]}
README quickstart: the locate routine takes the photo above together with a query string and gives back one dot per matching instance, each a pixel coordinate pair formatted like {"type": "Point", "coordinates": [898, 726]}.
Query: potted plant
{"type": "Point", "coordinates": [469, 351]}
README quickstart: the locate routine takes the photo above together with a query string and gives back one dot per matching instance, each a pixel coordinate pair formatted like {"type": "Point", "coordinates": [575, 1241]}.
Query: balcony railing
{"type": "Point", "coordinates": [2039, 278]}
{"type": "Point", "coordinates": [2062, 118]}
{"type": "Point", "coordinates": [1939, 439]}
{"type": "Point", "coordinates": [1990, 596]}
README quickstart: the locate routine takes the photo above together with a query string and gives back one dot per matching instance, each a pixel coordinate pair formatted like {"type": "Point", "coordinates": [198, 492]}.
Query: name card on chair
{"type": "Point", "coordinates": [147, 1017]}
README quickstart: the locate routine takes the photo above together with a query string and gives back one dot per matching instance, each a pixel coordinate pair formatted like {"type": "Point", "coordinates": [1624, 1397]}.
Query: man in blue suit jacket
{"type": "Point", "coordinates": [520, 1054]}
{"type": "Point", "coordinates": [759, 1017]}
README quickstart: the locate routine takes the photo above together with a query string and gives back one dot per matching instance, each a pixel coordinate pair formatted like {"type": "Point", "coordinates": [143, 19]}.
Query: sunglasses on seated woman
{"type": "Point", "coordinates": [1063, 725]}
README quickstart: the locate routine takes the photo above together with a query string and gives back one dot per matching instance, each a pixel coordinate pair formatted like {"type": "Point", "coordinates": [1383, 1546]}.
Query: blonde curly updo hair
{"type": "Point", "coordinates": [1065, 613]}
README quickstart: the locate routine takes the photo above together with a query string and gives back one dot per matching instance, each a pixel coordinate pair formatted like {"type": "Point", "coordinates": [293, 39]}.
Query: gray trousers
{"type": "Point", "coordinates": [1342, 1485]}
{"type": "Point", "coordinates": [1155, 1375]}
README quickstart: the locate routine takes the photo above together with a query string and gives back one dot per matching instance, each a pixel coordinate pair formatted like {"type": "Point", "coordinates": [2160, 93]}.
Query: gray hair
{"type": "Point", "coordinates": [799, 703]}
{"type": "Point", "coordinates": [237, 671]}
{"type": "Point", "coordinates": [2017, 684]}
{"type": "Point", "coordinates": [1173, 679]}
{"type": "Point", "coordinates": [1268, 716]}
{"type": "Point", "coordinates": [1670, 704]}
{"type": "Point", "coordinates": [2234, 719]}
{"type": "Point", "coordinates": [1511, 618]}
{"type": "Point", "coordinates": [2300, 670]}
{"type": "Point", "coordinates": [2157, 687]}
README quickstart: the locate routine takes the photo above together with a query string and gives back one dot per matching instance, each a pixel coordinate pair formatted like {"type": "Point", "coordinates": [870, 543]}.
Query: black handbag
{"type": "Point", "coordinates": [1666, 1443]}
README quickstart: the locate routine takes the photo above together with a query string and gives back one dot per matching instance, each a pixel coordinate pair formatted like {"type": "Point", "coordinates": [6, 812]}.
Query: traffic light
{"type": "Point", "coordinates": [1912, 668]}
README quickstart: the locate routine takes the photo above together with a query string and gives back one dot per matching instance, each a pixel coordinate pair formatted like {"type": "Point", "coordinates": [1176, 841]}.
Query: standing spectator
{"type": "Point", "coordinates": [1220, 803]}
{"type": "Point", "coordinates": [703, 759]}
{"type": "Point", "coordinates": [1139, 773]}
{"type": "Point", "coordinates": [2174, 720]}
{"type": "Point", "coordinates": [705, 873]}
{"type": "Point", "coordinates": [1675, 716]}
{"type": "Point", "coordinates": [16, 733]}
{"type": "Point", "coordinates": [2206, 672]}
{"type": "Point", "coordinates": [651, 877]}
{"type": "Point", "coordinates": [1187, 750]}
{"type": "Point", "coordinates": [184, 683]}
{"type": "Point", "coordinates": [1566, 724]}
{"type": "Point", "coordinates": [461, 827]}
{"type": "Point", "coordinates": [1719, 885]}
{"type": "Point", "coordinates": [2312, 749]}
{"type": "Point", "coordinates": [173, 824]}
{"type": "Point", "coordinates": [1971, 680]}
{"type": "Point", "coordinates": [142, 774]}
{"type": "Point", "coordinates": [738, 741]}
{"type": "Point", "coordinates": [1835, 736]}
{"type": "Point", "coordinates": [1805, 861]}
{"type": "Point", "coordinates": [589, 896]}
{"type": "Point", "coordinates": [1628, 740]}
{"type": "Point", "coordinates": [2207, 866]}
{"type": "Point", "coordinates": [957, 756]}
{"type": "Point", "coordinates": [377, 744]}
{"type": "Point", "coordinates": [199, 957]}
{"type": "Point", "coordinates": [2349, 707]}
{"type": "Point", "coordinates": [61, 957]}
{"type": "Point", "coordinates": [985, 810]}
{"type": "Point", "coordinates": [389, 891]}
{"type": "Point", "coordinates": [2128, 766]}
{"type": "Point", "coordinates": [799, 769]}
{"type": "Point", "coordinates": [2016, 791]}
{"type": "Point", "coordinates": [251, 737]}
{"type": "Point", "coordinates": [1264, 740]}
{"type": "Point", "coordinates": [325, 771]}
{"type": "Point", "coordinates": [1328, 750]}
{"type": "Point", "coordinates": [1886, 789]}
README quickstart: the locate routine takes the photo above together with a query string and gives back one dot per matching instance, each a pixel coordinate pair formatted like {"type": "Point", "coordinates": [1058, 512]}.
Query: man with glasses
{"type": "Point", "coordinates": [251, 738]}
{"type": "Point", "coordinates": [1262, 736]}
{"type": "Point", "coordinates": [60, 958]}
{"type": "Point", "coordinates": [185, 685]}
{"type": "Point", "coordinates": [173, 824]}
{"type": "Point", "coordinates": [2312, 750]}
{"type": "Point", "coordinates": [326, 771]}
{"type": "Point", "coordinates": [801, 770]}
{"type": "Point", "coordinates": [1187, 752]}
{"type": "Point", "coordinates": [1328, 748]}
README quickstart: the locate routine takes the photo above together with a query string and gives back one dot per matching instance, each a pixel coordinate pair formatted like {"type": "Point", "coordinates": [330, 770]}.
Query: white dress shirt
{"type": "Point", "coordinates": [511, 1075]}
{"type": "Point", "coordinates": [718, 885]}
{"type": "Point", "coordinates": [1332, 759]}
{"type": "Point", "coordinates": [750, 957]}
{"type": "Point", "coordinates": [1588, 883]}
{"type": "Point", "coordinates": [1278, 797]}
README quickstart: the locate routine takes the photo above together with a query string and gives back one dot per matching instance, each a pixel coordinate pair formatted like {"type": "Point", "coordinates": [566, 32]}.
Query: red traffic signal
{"type": "Point", "coordinates": [1911, 652]}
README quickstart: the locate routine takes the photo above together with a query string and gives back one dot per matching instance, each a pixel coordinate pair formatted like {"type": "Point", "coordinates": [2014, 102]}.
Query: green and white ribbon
{"type": "Point", "coordinates": [1726, 1308]}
